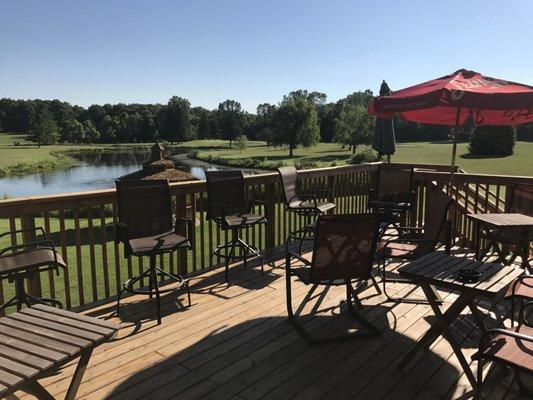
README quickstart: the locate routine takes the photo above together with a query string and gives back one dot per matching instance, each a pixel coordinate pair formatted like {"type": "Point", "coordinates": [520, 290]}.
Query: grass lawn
{"type": "Point", "coordinates": [27, 157]}
{"type": "Point", "coordinates": [326, 154]}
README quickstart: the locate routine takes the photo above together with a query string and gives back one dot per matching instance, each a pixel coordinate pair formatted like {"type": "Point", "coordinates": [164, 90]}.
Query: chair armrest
{"type": "Point", "coordinates": [47, 243]}
{"type": "Point", "coordinates": [485, 338]}
{"type": "Point", "coordinates": [291, 255]}
{"type": "Point", "coordinates": [188, 227]}
{"type": "Point", "coordinates": [305, 196]}
{"type": "Point", "coordinates": [407, 241]}
{"type": "Point", "coordinates": [37, 228]}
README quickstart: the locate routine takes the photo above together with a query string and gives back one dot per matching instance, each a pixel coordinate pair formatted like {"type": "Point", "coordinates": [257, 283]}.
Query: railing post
{"type": "Point", "coordinates": [34, 281]}
{"type": "Point", "coordinates": [181, 211]}
{"type": "Point", "coordinates": [331, 186]}
{"type": "Point", "coordinates": [270, 228]}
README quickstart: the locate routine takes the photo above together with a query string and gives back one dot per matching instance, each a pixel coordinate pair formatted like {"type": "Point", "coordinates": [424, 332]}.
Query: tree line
{"type": "Point", "coordinates": [301, 118]}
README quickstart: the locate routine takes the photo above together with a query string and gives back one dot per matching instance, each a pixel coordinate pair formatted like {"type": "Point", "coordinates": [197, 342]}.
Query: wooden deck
{"type": "Point", "coordinates": [236, 343]}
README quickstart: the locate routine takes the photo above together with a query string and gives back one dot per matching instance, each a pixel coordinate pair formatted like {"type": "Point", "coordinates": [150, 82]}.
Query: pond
{"type": "Point", "coordinates": [93, 170]}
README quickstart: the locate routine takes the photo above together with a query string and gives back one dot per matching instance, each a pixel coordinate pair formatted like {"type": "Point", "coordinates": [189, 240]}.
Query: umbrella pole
{"type": "Point", "coordinates": [455, 134]}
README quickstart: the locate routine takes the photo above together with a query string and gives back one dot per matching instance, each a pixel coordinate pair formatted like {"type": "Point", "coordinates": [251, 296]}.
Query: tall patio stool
{"type": "Point", "coordinates": [230, 209]}
{"type": "Point", "coordinates": [343, 254]}
{"type": "Point", "coordinates": [304, 204]}
{"type": "Point", "coordinates": [415, 242]}
{"type": "Point", "coordinates": [22, 261]}
{"type": "Point", "coordinates": [392, 195]}
{"type": "Point", "coordinates": [512, 348]}
{"type": "Point", "coordinates": [146, 228]}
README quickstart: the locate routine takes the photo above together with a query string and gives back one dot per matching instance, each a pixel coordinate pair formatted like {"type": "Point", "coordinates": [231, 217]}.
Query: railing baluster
{"type": "Point", "coordinates": [105, 266]}
{"type": "Point", "coordinates": [92, 259]}
{"type": "Point", "coordinates": [116, 249]}
{"type": "Point", "coordinates": [64, 254]}
{"type": "Point", "coordinates": [79, 266]}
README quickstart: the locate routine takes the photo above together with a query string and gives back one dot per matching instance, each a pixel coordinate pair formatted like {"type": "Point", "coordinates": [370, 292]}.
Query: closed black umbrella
{"type": "Point", "coordinates": [384, 141]}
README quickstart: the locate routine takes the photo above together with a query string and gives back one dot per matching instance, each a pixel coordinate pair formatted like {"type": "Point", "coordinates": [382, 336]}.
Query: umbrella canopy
{"type": "Point", "coordinates": [383, 140]}
{"type": "Point", "coordinates": [451, 99]}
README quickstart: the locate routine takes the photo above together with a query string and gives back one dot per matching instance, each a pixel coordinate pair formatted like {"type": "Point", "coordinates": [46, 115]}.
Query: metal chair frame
{"type": "Point", "coordinates": [445, 225]}
{"type": "Point", "coordinates": [352, 300]}
{"type": "Point", "coordinates": [228, 251]}
{"type": "Point", "coordinates": [155, 274]}
{"type": "Point", "coordinates": [305, 233]}
{"type": "Point", "coordinates": [483, 341]}
{"type": "Point", "coordinates": [391, 214]}
{"type": "Point", "coordinates": [22, 297]}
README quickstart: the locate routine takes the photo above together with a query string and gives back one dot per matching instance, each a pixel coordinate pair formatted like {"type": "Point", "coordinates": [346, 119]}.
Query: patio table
{"type": "Point", "coordinates": [38, 340]}
{"type": "Point", "coordinates": [441, 271]}
{"type": "Point", "coordinates": [501, 221]}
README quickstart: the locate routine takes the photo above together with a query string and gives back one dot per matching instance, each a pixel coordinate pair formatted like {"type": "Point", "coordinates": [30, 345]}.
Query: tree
{"type": "Point", "coordinates": [295, 123]}
{"type": "Point", "coordinates": [46, 130]}
{"type": "Point", "coordinates": [177, 126]}
{"type": "Point", "coordinates": [230, 119]}
{"type": "Point", "coordinates": [492, 140]}
{"type": "Point", "coordinates": [73, 131]}
{"type": "Point", "coordinates": [354, 127]}
{"type": "Point", "coordinates": [241, 142]}
{"type": "Point", "coordinates": [91, 133]}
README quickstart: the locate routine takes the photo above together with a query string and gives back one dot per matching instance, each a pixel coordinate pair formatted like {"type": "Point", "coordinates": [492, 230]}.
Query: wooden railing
{"type": "Point", "coordinates": [82, 224]}
{"type": "Point", "coordinates": [82, 227]}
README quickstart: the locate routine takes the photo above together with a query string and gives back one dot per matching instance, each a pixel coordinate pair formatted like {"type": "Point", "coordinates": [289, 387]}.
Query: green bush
{"type": "Point", "coordinates": [306, 164]}
{"type": "Point", "coordinates": [366, 156]}
{"type": "Point", "coordinates": [492, 140]}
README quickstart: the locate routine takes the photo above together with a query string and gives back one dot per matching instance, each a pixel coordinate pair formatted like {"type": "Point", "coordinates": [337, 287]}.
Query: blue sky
{"type": "Point", "coordinates": [87, 52]}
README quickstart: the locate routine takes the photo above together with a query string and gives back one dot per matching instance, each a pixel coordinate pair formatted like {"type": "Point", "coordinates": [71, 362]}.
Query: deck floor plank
{"type": "Point", "coordinates": [235, 343]}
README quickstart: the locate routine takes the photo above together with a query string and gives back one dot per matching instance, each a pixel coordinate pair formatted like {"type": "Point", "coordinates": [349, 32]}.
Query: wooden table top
{"type": "Point", "coordinates": [39, 339]}
{"type": "Point", "coordinates": [503, 219]}
{"type": "Point", "coordinates": [440, 269]}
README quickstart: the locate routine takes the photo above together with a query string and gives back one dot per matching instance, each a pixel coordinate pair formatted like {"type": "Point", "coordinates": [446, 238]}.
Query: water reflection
{"type": "Point", "coordinates": [96, 170]}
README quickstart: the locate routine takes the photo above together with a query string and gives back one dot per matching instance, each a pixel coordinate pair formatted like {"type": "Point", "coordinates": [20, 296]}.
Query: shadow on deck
{"type": "Point", "coordinates": [236, 343]}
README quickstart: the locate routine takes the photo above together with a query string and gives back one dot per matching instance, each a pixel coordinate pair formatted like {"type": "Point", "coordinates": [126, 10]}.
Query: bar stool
{"type": "Point", "coordinates": [230, 209]}
{"type": "Point", "coordinates": [146, 228]}
{"type": "Point", "coordinates": [306, 205]}
{"type": "Point", "coordinates": [22, 261]}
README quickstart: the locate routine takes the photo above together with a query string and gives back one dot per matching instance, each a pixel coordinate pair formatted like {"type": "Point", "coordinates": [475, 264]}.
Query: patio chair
{"type": "Point", "coordinates": [307, 205]}
{"type": "Point", "coordinates": [520, 291]}
{"type": "Point", "coordinates": [393, 194]}
{"type": "Point", "coordinates": [145, 228]}
{"type": "Point", "coordinates": [519, 199]}
{"type": "Point", "coordinates": [512, 348]}
{"type": "Point", "coordinates": [415, 242]}
{"type": "Point", "coordinates": [230, 209]}
{"type": "Point", "coordinates": [343, 253]}
{"type": "Point", "coordinates": [22, 261]}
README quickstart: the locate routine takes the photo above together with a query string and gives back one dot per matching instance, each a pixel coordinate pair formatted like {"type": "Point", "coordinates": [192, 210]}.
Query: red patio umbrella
{"type": "Point", "coordinates": [451, 99]}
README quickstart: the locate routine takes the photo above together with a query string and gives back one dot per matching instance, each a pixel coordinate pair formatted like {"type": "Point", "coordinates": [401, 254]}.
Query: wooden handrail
{"type": "Point", "coordinates": [82, 223]}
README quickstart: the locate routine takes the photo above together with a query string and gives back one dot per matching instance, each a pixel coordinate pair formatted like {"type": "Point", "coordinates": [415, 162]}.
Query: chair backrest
{"type": "Point", "coordinates": [520, 199]}
{"type": "Point", "coordinates": [225, 193]}
{"type": "Point", "coordinates": [344, 246]}
{"type": "Point", "coordinates": [394, 183]}
{"type": "Point", "coordinates": [145, 206]}
{"type": "Point", "coordinates": [289, 182]}
{"type": "Point", "coordinates": [439, 205]}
